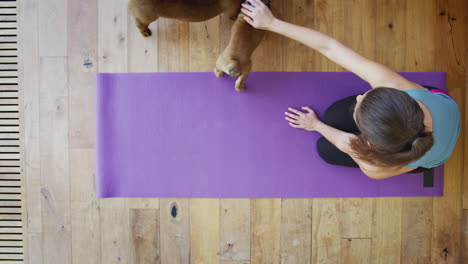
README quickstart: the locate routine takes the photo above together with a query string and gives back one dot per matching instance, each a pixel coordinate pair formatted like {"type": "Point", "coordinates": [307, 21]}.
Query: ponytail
{"type": "Point", "coordinates": [417, 149]}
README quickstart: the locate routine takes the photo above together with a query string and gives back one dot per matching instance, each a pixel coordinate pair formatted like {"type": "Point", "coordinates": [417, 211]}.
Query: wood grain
{"type": "Point", "coordinates": [464, 247]}
{"type": "Point", "coordinates": [173, 45]}
{"type": "Point", "coordinates": [144, 232]}
{"type": "Point", "coordinates": [142, 52]}
{"type": "Point", "coordinates": [265, 226]}
{"type": "Point", "coordinates": [28, 78]}
{"type": "Point", "coordinates": [356, 251]}
{"type": "Point", "coordinates": [82, 52]}
{"type": "Point", "coordinates": [386, 230]}
{"type": "Point", "coordinates": [52, 27]}
{"type": "Point", "coordinates": [326, 230]}
{"type": "Point", "coordinates": [175, 230]}
{"type": "Point", "coordinates": [267, 56]}
{"type": "Point", "coordinates": [357, 217]}
{"type": "Point", "coordinates": [235, 229]}
{"type": "Point", "coordinates": [296, 56]}
{"type": "Point", "coordinates": [416, 230]}
{"type": "Point", "coordinates": [204, 45]}
{"type": "Point", "coordinates": [296, 230]}
{"type": "Point", "coordinates": [53, 136]}
{"type": "Point", "coordinates": [115, 229]}
{"type": "Point", "coordinates": [85, 225]}
{"type": "Point", "coordinates": [204, 231]}
{"type": "Point", "coordinates": [112, 35]}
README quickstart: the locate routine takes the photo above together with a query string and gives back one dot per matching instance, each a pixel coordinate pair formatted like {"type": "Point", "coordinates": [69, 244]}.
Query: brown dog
{"type": "Point", "coordinates": [147, 11]}
{"type": "Point", "coordinates": [235, 59]}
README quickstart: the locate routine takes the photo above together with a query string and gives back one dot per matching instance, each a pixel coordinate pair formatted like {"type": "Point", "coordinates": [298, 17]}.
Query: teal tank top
{"type": "Point", "coordinates": [445, 127]}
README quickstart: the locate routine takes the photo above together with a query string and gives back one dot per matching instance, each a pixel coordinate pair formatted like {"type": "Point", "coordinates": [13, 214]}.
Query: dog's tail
{"type": "Point", "coordinates": [233, 68]}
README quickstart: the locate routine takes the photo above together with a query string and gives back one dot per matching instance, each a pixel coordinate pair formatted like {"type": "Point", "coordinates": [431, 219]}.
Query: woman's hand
{"type": "Point", "coordinates": [298, 119]}
{"type": "Point", "coordinates": [258, 14]}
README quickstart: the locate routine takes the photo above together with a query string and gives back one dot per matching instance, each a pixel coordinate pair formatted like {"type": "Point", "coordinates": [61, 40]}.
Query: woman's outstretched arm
{"type": "Point", "coordinates": [376, 74]}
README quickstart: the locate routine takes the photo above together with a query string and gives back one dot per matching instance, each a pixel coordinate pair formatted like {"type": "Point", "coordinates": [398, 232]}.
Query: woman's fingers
{"type": "Point", "coordinates": [308, 109]}
{"type": "Point", "coordinates": [291, 115]}
{"type": "Point", "coordinates": [297, 112]}
{"type": "Point", "coordinates": [294, 121]}
{"type": "Point", "coordinates": [295, 126]}
{"type": "Point", "coordinates": [248, 7]}
{"type": "Point", "coordinates": [248, 19]}
{"type": "Point", "coordinates": [246, 11]}
{"type": "Point", "coordinates": [258, 3]}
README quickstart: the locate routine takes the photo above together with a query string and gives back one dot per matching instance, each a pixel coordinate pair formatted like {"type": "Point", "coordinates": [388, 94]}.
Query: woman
{"type": "Point", "coordinates": [396, 127]}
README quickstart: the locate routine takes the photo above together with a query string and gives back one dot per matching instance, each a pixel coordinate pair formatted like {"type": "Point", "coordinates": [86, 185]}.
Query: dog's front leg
{"type": "Point", "coordinates": [143, 27]}
{"type": "Point", "coordinates": [240, 85]}
{"type": "Point", "coordinates": [218, 66]}
{"type": "Point", "coordinates": [218, 73]}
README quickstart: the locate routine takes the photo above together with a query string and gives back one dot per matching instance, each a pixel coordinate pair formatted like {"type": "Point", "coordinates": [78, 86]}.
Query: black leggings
{"type": "Point", "coordinates": [340, 116]}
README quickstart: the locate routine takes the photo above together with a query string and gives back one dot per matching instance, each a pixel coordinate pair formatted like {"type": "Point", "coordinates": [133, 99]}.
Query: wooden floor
{"type": "Point", "coordinates": [62, 43]}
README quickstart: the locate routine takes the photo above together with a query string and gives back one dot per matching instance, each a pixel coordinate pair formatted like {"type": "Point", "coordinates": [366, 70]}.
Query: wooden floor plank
{"type": "Point", "coordinates": [464, 246]}
{"type": "Point", "coordinates": [112, 36]}
{"type": "Point", "coordinates": [326, 230]}
{"type": "Point", "coordinates": [175, 230]}
{"type": "Point", "coordinates": [296, 230]}
{"type": "Point", "coordinates": [173, 45]}
{"type": "Point", "coordinates": [115, 232]}
{"type": "Point", "coordinates": [296, 56]}
{"type": "Point", "coordinates": [82, 49]}
{"type": "Point", "coordinates": [204, 45]}
{"type": "Point", "coordinates": [356, 251]}
{"type": "Point", "coordinates": [55, 191]}
{"type": "Point", "coordinates": [268, 55]}
{"type": "Point", "coordinates": [142, 52]}
{"type": "Point", "coordinates": [386, 230]}
{"type": "Point", "coordinates": [204, 231]}
{"type": "Point", "coordinates": [86, 233]}
{"type": "Point", "coordinates": [28, 79]}
{"type": "Point", "coordinates": [144, 232]}
{"type": "Point", "coordinates": [265, 227]}
{"type": "Point", "coordinates": [235, 229]}
{"type": "Point", "coordinates": [357, 217]}
{"type": "Point", "coordinates": [416, 230]}
{"type": "Point", "coordinates": [52, 27]}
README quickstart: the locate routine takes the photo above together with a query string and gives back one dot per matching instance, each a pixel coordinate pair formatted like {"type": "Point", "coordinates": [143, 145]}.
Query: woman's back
{"type": "Point", "coordinates": [445, 127]}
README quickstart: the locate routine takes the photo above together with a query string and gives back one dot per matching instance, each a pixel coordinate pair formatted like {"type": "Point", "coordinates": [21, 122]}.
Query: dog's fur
{"type": "Point", "coordinates": [147, 11]}
{"type": "Point", "coordinates": [235, 59]}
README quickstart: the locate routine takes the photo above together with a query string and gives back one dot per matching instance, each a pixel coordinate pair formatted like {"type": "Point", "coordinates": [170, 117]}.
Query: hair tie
{"type": "Point", "coordinates": [409, 145]}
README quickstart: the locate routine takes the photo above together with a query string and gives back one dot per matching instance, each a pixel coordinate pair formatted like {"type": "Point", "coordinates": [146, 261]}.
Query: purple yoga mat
{"type": "Point", "coordinates": [192, 135]}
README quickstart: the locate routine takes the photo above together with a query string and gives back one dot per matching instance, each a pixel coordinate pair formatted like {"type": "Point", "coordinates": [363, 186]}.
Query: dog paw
{"type": "Point", "coordinates": [218, 73]}
{"type": "Point", "coordinates": [146, 32]}
{"type": "Point", "coordinates": [240, 87]}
